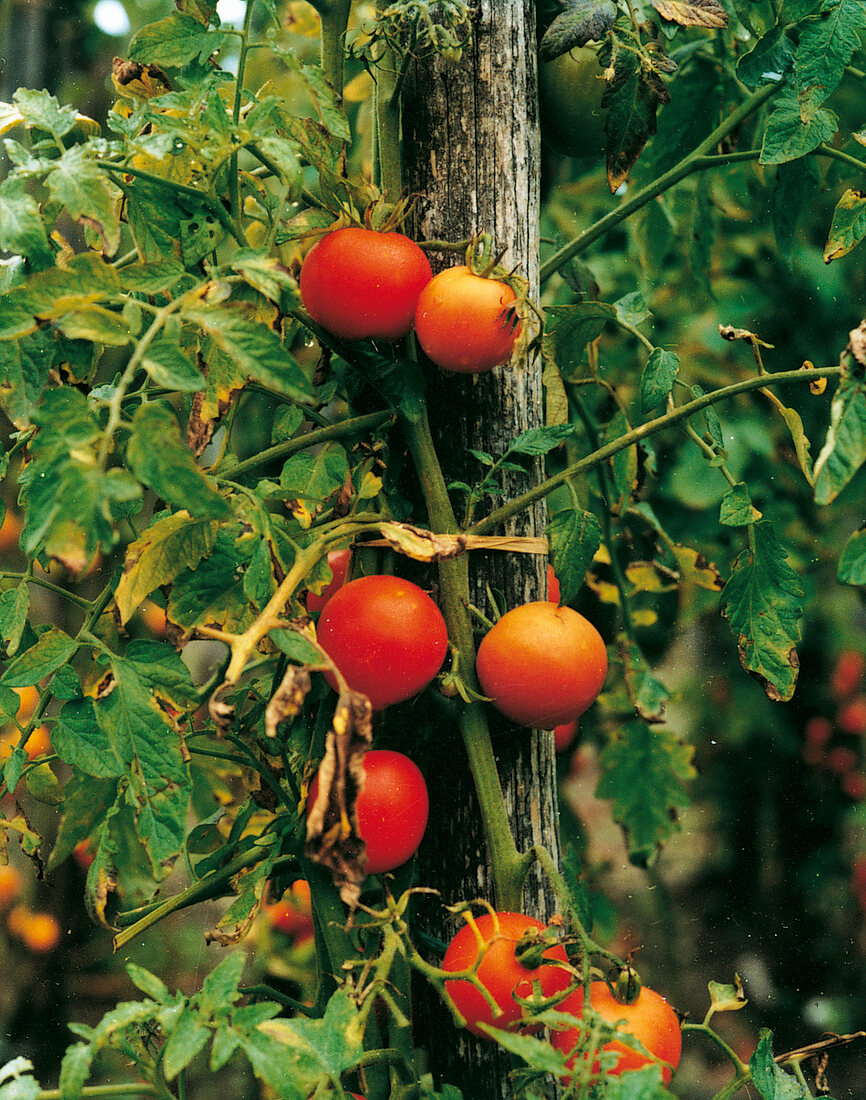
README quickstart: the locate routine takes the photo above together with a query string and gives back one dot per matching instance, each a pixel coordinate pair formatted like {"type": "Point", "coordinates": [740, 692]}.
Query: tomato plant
{"type": "Point", "coordinates": [358, 283]}
{"type": "Point", "coordinates": [649, 1019]}
{"type": "Point", "coordinates": [570, 89]}
{"type": "Point", "coordinates": [386, 636]}
{"type": "Point", "coordinates": [338, 563]}
{"type": "Point", "coordinates": [506, 979]}
{"type": "Point", "coordinates": [542, 665]}
{"type": "Point", "coordinates": [392, 809]}
{"type": "Point", "coordinates": [465, 322]}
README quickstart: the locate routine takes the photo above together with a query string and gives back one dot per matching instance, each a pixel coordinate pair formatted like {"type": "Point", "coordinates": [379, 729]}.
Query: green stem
{"type": "Point", "coordinates": [213, 885]}
{"type": "Point", "coordinates": [234, 179]}
{"type": "Point", "coordinates": [837, 154]}
{"type": "Point", "coordinates": [387, 100]}
{"type": "Point", "coordinates": [211, 201]}
{"type": "Point", "coordinates": [335, 19]}
{"type": "Point", "coordinates": [742, 1070]}
{"type": "Point", "coordinates": [356, 426]}
{"type": "Point", "coordinates": [508, 866]}
{"type": "Point", "coordinates": [643, 431]}
{"type": "Point", "coordinates": [696, 161]}
{"type": "Point", "coordinates": [81, 601]}
{"type": "Point", "coordinates": [141, 1088]}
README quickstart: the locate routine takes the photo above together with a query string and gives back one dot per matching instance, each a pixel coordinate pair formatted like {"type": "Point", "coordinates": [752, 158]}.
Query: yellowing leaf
{"type": "Point", "coordinates": [692, 13]}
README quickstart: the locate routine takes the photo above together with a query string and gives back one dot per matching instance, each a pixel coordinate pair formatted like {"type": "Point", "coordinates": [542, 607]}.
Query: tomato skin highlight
{"type": "Point", "coordinates": [650, 1019]}
{"type": "Point", "coordinates": [357, 283]}
{"type": "Point", "coordinates": [542, 665]}
{"type": "Point", "coordinates": [386, 636]}
{"type": "Point", "coordinates": [392, 809]}
{"type": "Point", "coordinates": [499, 971]}
{"type": "Point", "coordinates": [338, 562]}
{"type": "Point", "coordinates": [463, 321]}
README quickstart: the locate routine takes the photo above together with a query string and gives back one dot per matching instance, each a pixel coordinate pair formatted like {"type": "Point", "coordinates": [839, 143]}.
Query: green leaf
{"type": "Point", "coordinates": [259, 581]}
{"type": "Point", "coordinates": [143, 738]}
{"type": "Point", "coordinates": [632, 309]}
{"type": "Point", "coordinates": [849, 225]}
{"type": "Point", "coordinates": [266, 274]}
{"type": "Point", "coordinates": [569, 329]}
{"type": "Point", "coordinates": [188, 1037]}
{"type": "Point", "coordinates": [540, 441]}
{"type": "Point", "coordinates": [657, 379]}
{"type": "Point", "coordinates": [536, 1053]}
{"type": "Point", "coordinates": [844, 450]}
{"type": "Point", "coordinates": [75, 1069]}
{"type": "Point", "coordinates": [770, 60]}
{"type": "Point", "coordinates": [574, 536]}
{"type": "Point", "coordinates": [96, 324]}
{"type": "Point", "coordinates": [736, 509]}
{"type": "Point", "coordinates": [644, 772]}
{"type": "Point", "coordinates": [22, 230]}
{"type": "Point", "coordinates": [175, 41]}
{"type": "Point", "coordinates": [763, 602]}
{"type": "Point", "coordinates": [14, 605]}
{"type": "Point", "coordinates": [309, 480]}
{"type": "Point", "coordinates": [647, 695]}
{"type": "Point", "coordinates": [257, 351]}
{"type": "Point", "coordinates": [632, 99]}
{"type": "Point", "coordinates": [171, 544]}
{"type": "Point", "coordinates": [151, 278]}
{"type": "Point", "coordinates": [88, 194]}
{"type": "Point", "coordinates": [72, 506]}
{"type": "Point", "coordinates": [852, 563]}
{"type": "Point", "coordinates": [25, 367]}
{"type": "Point", "coordinates": [42, 110]}
{"type": "Point", "coordinates": [161, 460]}
{"type": "Point", "coordinates": [78, 740]}
{"type": "Point", "coordinates": [583, 21]}
{"type": "Point", "coordinates": [788, 137]}
{"type": "Point", "coordinates": [53, 649]}
{"type": "Point", "coordinates": [827, 44]}
{"type": "Point", "coordinates": [168, 366]}
{"type": "Point", "coordinates": [771, 1081]}
{"type": "Point", "coordinates": [17, 1081]}
{"type": "Point", "coordinates": [296, 647]}
{"type": "Point", "coordinates": [212, 594]}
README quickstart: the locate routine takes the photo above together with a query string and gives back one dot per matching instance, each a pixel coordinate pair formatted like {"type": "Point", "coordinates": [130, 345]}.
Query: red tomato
{"type": "Point", "coordinates": [554, 594]}
{"type": "Point", "coordinates": [293, 914]}
{"type": "Point", "coordinates": [564, 735]}
{"type": "Point", "coordinates": [386, 636]}
{"type": "Point", "coordinates": [847, 672]}
{"type": "Point", "coordinates": [338, 562]}
{"type": "Point", "coordinates": [651, 1020]}
{"type": "Point", "coordinates": [465, 323]}
{"type": "Point", "coordinates": [357, 283]}
{"type": "Point", "coordinates": [499, 971]}
{"type": "Point", "coordinates": [392, 809]}
{"type": "Point", "coordinates": [542, 665]}
{"type": "Point", "coordinates": [851, 717]}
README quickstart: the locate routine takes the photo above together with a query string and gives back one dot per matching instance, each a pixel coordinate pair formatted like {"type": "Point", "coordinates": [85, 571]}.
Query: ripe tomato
{"type": "Point", "coordinates": [554, 595]}
{"type": "Point", "coordinates": [542, 665]}
{"type": "Point", "coordinates": [293, 914]}
{"type": "Point", "coordinates": [465, 323]}
{"type": "Point", "coordinates": [570, 88]}
{"type": "Point", "coordinates": [392, 809]}
{"type": "Point", "coordinates": [386, 636]}
{"type": "Point", "coordinates": [358, 283]}
{"type": "Point", "coordinates": [338, 563]}
{"type": "Point", "coordinates": [851, 717]}
{"type": "Point", "coordinates": [39, 932]}
{"type": "Point", "coordinates": [499, 971]}
{"type": "Point", "coordinates": [650, 1019]}
{"type": "Point", "coordinates": [564, 735]}
{"type": "Point", "coordinates": [847, 673]}
{"type": "Point", "coordinates": [11, 884]}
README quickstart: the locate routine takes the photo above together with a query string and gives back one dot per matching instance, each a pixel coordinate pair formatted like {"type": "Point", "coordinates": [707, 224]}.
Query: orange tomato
{"type": "Point", "coordinates": [10, 884]}
{"type": "Point", "coordinates": [40, 933]}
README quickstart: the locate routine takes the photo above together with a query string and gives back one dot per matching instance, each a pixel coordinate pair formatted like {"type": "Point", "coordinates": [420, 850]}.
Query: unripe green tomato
{"type": "Point", "coordinates": [570, 88]}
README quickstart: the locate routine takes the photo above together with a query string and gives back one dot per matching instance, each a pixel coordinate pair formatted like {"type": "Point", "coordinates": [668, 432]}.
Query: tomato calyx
{"type": "Point", "coordinates": [626, 989]}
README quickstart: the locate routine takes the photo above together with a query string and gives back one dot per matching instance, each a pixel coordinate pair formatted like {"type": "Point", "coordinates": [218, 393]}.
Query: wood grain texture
{"type": "Point", "coordinates": [471, 158]}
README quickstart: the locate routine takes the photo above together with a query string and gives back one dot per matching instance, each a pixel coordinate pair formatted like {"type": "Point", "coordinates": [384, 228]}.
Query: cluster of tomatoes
{"type": "Point", "coordinates": [820, 748]}
{"type": "Point", "coordinates": [542, 665]}
{"type": "Point", "coordinates": [362, 284]}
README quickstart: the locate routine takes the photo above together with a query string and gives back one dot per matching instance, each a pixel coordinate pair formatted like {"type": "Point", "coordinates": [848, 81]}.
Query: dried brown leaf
{"type": "Point", "coordinates": [288, 699]}
{"type": "Point", "coordinates": [692, 13]}
{"type": "Point", "coordinates": [332, 824]}
{"type": "Point", "coordinates": [729, 332]}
